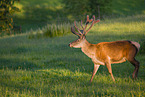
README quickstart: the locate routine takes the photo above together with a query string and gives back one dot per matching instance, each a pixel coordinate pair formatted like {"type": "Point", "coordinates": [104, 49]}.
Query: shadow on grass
{"type": "Point", "coordinates": [14, 64]}
{"type": "Point", "coordinates": [37, 17]}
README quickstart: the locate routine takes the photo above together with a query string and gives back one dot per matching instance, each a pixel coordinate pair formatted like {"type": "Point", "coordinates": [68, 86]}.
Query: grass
{"type": "Point", "coordinates": [52, 30]}
{"type": "Point", "coordinates": [47, 67]}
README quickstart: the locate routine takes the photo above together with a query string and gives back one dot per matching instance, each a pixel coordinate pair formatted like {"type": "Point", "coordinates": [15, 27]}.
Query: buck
{"type": "Point", "coordinates": [105, 53]}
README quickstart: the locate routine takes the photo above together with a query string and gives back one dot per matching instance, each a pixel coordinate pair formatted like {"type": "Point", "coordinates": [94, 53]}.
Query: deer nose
{"type": "Point", "coordinates": [69, 45]}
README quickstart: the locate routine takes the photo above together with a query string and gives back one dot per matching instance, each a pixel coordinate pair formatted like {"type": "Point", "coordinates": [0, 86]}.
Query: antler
{"type": "Point", "coordinates": [87, 22]}
{"type": "Point", "coordinates": [94, 21]}
{"type": "Point", "coordinates": [81, 32]}
{"type": "Point", "coordinates": [74, 32]}
{"type": "Point", "coordinates": [77, 28]}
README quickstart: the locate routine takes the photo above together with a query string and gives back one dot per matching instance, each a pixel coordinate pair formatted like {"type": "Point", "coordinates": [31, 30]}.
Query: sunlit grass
{"type": "Point", "coordinates": [127, 25]}
{"type": "Point", "coordinates": [47, 67]}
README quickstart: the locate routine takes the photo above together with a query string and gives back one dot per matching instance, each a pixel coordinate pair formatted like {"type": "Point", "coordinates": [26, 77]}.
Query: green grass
{"type": "Point", "coordinates": [47, 67]}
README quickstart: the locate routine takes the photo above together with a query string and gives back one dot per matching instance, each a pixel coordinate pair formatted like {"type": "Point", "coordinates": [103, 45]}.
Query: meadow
{"type": "Point", "coordinates": [33, 66]}
{"type": "Point", "coordinates": [47, 67]}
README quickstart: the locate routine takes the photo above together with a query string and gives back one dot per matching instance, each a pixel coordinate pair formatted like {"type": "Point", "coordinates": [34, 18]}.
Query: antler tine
{"type": "Point", "coordinates": [88, 21]}
{"type": "Point", "coordinates": [83, 27]}
{"type": "Point", "coordinates": [94, 21]}
{"type": "Point", "coordinates": [77, 27]}
{"type": "Point", "coordinates": [74, 32]}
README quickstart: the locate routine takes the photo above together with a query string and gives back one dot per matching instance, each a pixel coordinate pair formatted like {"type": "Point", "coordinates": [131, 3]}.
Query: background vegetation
{"type": "Point", "coordinates": [84, 7]}
{"type": "Point", "coordinates": [38, 66]}
{"type": "Point", "coordinates": [7, 9]}
{"type": "Point", "coordinates": [36, 14]}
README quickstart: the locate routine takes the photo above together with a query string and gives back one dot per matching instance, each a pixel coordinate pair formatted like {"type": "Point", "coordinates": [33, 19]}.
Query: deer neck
{"type": "Point", "coordinates": [87, 48]}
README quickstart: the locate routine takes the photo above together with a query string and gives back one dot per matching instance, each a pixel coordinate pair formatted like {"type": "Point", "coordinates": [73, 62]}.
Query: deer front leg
{"type": "Point", "coordinates": [96, 67]}
{"type": "Point", "coordinates": [108, 65]}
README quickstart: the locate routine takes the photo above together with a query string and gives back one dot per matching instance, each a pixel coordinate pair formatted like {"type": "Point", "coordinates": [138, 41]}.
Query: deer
{"type": "Point", "coordinates": [105, 53]}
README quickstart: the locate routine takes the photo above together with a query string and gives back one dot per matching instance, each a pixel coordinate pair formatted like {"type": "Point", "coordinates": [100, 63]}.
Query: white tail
{"type": "Point", "coordinates": [105, 53]}
{"type": "Point", "coordinates": [136, 44]}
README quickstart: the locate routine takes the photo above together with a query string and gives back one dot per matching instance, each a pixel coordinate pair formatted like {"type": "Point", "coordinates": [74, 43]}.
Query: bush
{"type": "Point", "coordinates": [52, 30]}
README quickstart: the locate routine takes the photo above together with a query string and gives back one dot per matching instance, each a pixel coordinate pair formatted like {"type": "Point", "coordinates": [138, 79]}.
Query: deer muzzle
{"type": "Point", "coordinates": [70, 45]}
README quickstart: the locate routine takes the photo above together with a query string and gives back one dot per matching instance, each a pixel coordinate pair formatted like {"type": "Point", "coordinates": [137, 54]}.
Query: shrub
{"type": "Point", "coordinates": [51, 30]}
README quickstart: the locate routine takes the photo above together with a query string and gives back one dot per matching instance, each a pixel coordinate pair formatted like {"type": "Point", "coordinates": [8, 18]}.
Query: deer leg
{"type": "Point", "coordinates": [108, 65]}
{"type": "Point", "coordinates": [96, 67]}
{"type": "Point", "coordinates": [135, 63]}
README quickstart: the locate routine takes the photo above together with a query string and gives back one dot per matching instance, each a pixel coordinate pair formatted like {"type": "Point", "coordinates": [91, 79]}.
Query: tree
{"type": "Point", "coordinates": [7, 9]}
{"type": "Point", "coordinates": [83, 7]}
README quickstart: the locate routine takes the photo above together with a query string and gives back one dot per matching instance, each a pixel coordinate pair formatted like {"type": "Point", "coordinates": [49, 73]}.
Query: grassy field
{"type": "Point", "coordinates": [47, 67]}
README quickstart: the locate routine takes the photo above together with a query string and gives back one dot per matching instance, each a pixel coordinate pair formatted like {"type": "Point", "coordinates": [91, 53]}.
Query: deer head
{"type": "Point", "coordinates": [82, 33]}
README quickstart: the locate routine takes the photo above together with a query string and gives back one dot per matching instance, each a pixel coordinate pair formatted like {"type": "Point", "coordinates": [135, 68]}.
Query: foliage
{"type": "Point", "coordinates": [52, 30]}
{"type": "Point", "coordinates": [7, 9]}
{"type": "Point", "coordinates": [83, 7]}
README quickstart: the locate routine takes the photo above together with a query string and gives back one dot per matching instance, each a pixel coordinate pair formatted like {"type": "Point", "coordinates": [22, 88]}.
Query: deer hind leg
{"type": "Point", "coordinates": [108, 65]}
{"type": "Point", "coordinates": [135, 63]}
{"type": "Point", "coordinates": [96, 67]}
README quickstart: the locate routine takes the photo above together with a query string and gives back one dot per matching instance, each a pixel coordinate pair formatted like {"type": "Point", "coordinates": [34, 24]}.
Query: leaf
{"type": "Point", "coordinates": [16, 9]}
